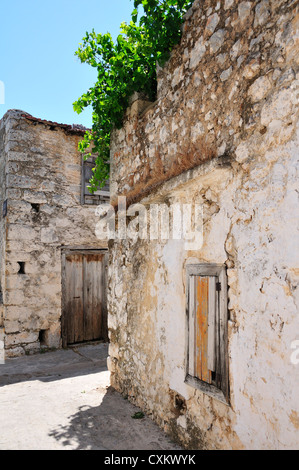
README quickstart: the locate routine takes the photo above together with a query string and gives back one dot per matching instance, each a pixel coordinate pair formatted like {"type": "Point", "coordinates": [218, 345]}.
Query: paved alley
{"type": "Point", "coordinates": [63, 400]}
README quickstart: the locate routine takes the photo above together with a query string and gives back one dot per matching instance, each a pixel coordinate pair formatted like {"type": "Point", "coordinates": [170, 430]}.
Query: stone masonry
{"type": "Point", "coordinates": [224, 133]}
{"type": "Point", "coordinates": [40, 176]}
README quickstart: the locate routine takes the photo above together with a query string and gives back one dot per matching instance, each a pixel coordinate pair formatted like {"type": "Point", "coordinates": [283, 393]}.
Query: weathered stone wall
{"type": "Point", "coordinates": [43, 176]}
{"type": "Point", "coordinates": [231, 86]}
{"type": "Point", "coordinates": [2, 225]}
{"type": "Point", "coordinates": [216, 91]}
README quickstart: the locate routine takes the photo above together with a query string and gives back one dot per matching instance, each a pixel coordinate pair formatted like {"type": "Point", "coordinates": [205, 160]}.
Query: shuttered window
{"type": "Point", "coordinates": [207, 317]}
{"type": "Point", "coordinates": [99, 196]}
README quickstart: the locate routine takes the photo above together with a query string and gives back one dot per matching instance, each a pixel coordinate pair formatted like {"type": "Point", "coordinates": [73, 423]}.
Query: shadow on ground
{"type": "Point", "coordinates": [55, 365]}
{"type": "Point", "coordinates": [63, 400]}
{"type": "Point", "coordinates": [110, 426]}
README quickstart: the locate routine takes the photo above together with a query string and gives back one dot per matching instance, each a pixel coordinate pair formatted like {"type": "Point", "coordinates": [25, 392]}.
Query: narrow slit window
{"type": "Point", "coordinates": [207, 317]}
{"type": "Point", "coordinates": [35, 207]}
{"type": "Point", "coordinates": [42, 337]}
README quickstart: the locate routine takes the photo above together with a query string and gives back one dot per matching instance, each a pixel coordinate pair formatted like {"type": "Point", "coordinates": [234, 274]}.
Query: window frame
{"type": "Point", "coordinates": [219, 271]}
{"type": "Point", "coordinates": [99, 197]}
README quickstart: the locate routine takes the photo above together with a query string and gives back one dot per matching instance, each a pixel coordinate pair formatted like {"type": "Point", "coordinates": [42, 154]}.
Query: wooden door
{"type": "Point", "coordinates": [84, 297]}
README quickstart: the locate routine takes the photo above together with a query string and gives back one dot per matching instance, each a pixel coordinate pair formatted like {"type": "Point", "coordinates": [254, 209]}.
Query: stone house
{"type": "Point", "coordinates": [202, 338]}
{"type": "Point", "coordinates": [51, 263]}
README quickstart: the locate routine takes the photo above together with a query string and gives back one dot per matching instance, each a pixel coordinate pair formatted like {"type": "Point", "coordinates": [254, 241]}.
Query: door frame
{"type": "Point", "coordinates": [82, 250]}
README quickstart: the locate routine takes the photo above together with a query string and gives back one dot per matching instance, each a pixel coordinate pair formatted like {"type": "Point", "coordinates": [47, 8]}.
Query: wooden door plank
{"type": "Point", "coordinates": [68, 300]}
{"type": "Point", "coordinates": [92, 296]}
{"type": "Point", "coordinates": [97, 296]}
{"type": "Point", "coordinates": [78, 298]}
{"type": "Point", "coordinates": [202, 310]}
{"type": "Point", "coordinates": [69, 330]}
{"type": "Point", "coordinates": [87, 279]}
{"type": "Point", "coordinates": [191, 313]}
{"type": "Point", "coordinates": [212, 325]}
{"type": "Point", "coordinates": [74, 298]}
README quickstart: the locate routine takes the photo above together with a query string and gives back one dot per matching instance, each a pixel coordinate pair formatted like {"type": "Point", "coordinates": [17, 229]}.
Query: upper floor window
{"type": "Point", "coordinates": [102, 195]}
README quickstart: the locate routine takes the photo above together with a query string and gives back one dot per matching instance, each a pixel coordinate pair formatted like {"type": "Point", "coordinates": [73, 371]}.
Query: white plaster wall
{"type": "Point", "coordinates": [255, 232]}
{"type": "Point", "coordinates": [233, 81]}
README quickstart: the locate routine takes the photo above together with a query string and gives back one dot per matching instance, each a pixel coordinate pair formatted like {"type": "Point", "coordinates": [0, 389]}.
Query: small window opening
{"type": "Point", "coordinates": [99, 196]}
{"type": "Point", "coordinates": [21, 267]}
{"type": "Point", "coordinates": [207, 320]}
{"type": "Point", "coordinates": [180, 403]}
{"type": "Point", "coordinates": [35, 207]}
{"type": "Point", "coordinates": [42, 337]}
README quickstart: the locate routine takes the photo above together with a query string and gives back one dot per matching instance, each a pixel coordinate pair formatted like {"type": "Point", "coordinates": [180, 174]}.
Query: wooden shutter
{"type": "Point", "coordinates": [86, 197]}
{"type": "Point", "coordinates": [201, 328]}
{"type": "Point", "coordinates": [202, 325]}
{"type": "Point", "coordinates": [212, 323]}
{"type": "Point", "coordinates": [207, 326]}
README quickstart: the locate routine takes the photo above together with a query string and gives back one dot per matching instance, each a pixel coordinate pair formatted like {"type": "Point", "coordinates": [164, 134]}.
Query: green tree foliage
{"type": "Point", "coordinates": [125, 66]}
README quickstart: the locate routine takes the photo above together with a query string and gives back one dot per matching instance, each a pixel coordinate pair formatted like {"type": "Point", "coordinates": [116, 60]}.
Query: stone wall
{"type": "Point", "coordinates": [229, 95]}
{"type": "Point", "coordinates": [2, 225]}
{"type": "Point", "coordinates": [44, 215]}
{"type": "Point", "coordinates": [216, 91]}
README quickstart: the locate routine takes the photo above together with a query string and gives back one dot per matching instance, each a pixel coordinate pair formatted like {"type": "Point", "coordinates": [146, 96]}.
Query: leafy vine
{"type": "Point", "coordinates": [125, 66]}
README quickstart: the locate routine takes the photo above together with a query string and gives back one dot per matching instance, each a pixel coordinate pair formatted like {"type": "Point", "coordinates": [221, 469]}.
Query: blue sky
{"type": "Point", "coordinates": [38, 40]}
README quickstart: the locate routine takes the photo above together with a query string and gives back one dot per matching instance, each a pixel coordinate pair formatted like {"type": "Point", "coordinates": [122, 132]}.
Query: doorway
{"type": "Point", "coordinates": [84, 299]}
